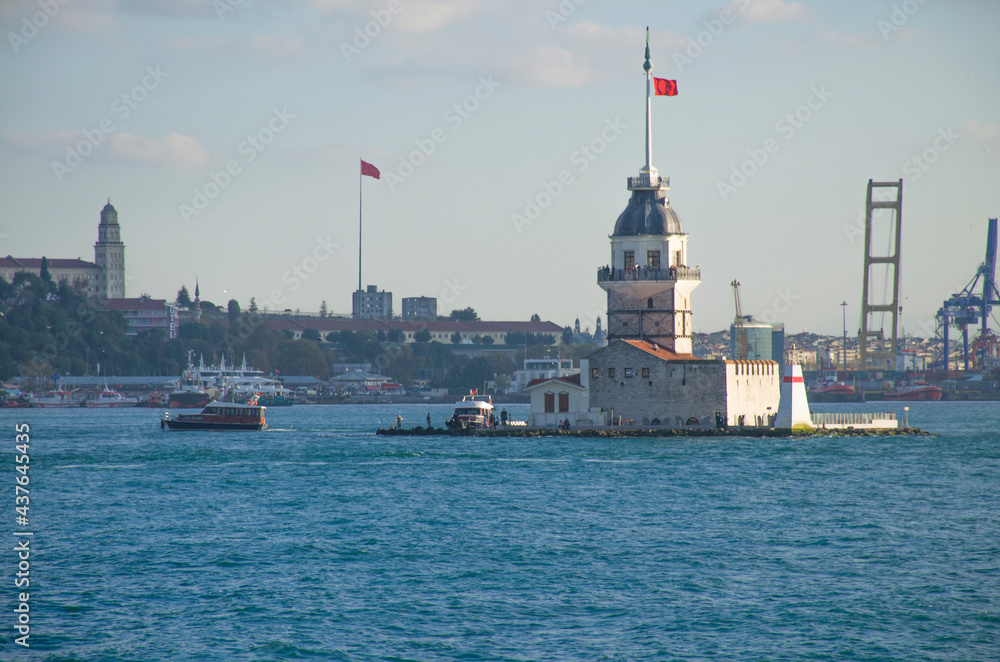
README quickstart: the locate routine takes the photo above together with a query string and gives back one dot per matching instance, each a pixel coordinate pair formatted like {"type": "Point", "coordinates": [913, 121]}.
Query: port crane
{"type": "Point", "coordinates": [969, 307]}
{"type": "Point", "coordinates": [741, 333]}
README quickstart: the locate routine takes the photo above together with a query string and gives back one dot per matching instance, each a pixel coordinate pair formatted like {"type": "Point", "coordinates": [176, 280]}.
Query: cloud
{"type": "Point", "coordinates": [769, 11]}
{"type": "Point", "coordinates": [49, 144]}
{"type": "Point", "coordinates": [269, 47]}
{"type": "Point", "coordinates": [981, 131]}
{"type": "Point", "coordinates": [172, 151]}
{"type": "Point", "coordinates": [416, 16]}
{"type": "Point", "coordinates": [84, 17]}
{"type": "Point", "coordinates": [862, 41]}
{"type": "Point", "coordinates": [599, 39]}
{"type": "Point", "coordinates": [169, 8]}
{"type": "Point", "coordinates": [553, 66]}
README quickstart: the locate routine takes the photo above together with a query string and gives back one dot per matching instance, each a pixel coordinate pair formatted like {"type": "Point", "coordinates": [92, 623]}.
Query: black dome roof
{"type": "Point", "coordinates": [648, 213]}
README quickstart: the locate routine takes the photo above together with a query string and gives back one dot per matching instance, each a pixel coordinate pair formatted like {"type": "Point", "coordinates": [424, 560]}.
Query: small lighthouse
{"type": "Point", "coordinates": [648, 282]}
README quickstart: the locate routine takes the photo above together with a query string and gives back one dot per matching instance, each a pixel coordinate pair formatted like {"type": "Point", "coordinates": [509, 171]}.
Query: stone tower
{"type": "Point", "coordinates": [109, 255]}
{"type": "Point", "coordinates": [648, 282]}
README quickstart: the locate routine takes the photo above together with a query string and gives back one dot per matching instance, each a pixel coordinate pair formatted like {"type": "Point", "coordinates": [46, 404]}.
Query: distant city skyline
{"type": "Point", "coordinates": [228, 136]}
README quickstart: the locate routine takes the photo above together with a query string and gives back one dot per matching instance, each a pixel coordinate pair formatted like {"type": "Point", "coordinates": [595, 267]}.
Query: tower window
{"type": "Point", "coordinates": [629, 259]}
{"type": "Point", "coordinates": [649, 302]}
{"type": "Point", "coordinates": [653, 259]}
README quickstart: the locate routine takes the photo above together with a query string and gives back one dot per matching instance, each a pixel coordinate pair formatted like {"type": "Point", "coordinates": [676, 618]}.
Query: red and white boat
{"type": "Point", "coordinates": [108, 398]}
{"type": "Point", "coordinates": [53, 399]}
{"type": "Point", "coordinates": [915, 391]}
{"type": "Point", "coordinates": [832, 387]}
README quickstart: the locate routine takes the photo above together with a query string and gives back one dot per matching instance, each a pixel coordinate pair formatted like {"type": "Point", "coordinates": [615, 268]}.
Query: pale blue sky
{"type": "Point", "coordinates": [556, 80]}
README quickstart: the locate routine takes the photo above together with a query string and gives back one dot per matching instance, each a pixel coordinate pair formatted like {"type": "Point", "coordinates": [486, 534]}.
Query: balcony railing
{"type": "Point", "coordinates": [645, 181]}
{"type": "Point", "coordinates": [607, 274]}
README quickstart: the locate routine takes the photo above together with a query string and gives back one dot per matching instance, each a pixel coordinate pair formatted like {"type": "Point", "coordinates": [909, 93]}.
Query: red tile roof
{"type": "Point", "coordinates": [36, 263]}
{"type": "Point", "coordinates": [325, 325]}
{"type": "Point", "coordinates": [139, 303]}
{"type": "Point", "coordinates": [661, 352]}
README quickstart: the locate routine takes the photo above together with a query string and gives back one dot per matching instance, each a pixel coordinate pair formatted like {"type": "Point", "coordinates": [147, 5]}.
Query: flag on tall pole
{"type": "Point", "coordinates": [370, 170]}
{"type": "Point", "coordinates": [665, 87]}
{"type": "Point", "coordinates": [367, 170]}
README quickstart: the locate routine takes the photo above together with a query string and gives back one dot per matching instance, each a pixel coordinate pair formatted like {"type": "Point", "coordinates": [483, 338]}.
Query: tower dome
{"type": "Point", "coordinates": [648, 213]}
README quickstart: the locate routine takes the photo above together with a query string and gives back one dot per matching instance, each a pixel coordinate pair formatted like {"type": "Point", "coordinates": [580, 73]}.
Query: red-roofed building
{"type": "Point", "coordinates": [144, 313]}
{"type": "Point", "coordinates": [441, 331]}
{"type": "Point", "coordinates": [75, 271]}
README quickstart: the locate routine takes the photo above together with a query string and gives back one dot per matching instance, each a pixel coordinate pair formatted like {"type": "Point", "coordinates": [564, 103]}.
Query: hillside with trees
{"type": "Point", "coordinates": [51, 329]}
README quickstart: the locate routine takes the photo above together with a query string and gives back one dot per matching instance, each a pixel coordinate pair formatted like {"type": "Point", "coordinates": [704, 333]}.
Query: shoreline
{"type": "Point", "coordinates": [521, 431]}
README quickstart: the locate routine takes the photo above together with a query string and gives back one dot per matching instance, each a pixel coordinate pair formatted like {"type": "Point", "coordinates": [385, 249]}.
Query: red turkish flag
{"type": "Point", "coordinates": [665, 88]}
{"type": "Point", "coordinates": [370, 170]}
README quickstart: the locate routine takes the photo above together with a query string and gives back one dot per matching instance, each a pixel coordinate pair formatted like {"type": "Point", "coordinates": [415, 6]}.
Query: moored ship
{"type": "Point", "coordinates": [53, 399]}
{"type": "Point", "coordinates": [915, 391]}
{"type": "Point", "coordinates": [474, 412]}
{"type": "Point", "coordinates": [108, 397]}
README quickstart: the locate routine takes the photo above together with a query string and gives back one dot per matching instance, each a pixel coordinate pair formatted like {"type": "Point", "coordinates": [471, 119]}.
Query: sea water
{"type": "Point", "coordinates": [318, 540]}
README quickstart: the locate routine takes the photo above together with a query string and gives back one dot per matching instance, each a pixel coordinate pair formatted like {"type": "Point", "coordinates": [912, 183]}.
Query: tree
{"type": "Point", "coordinates": [253, 306]}
{"type": "Point", "coordinates": [422, 336]}
{"type": "Point", "coordinates": [464, 315]}
{"type": "Point", "coordinates": [183, 297]}
{"type": "Point", "coordinates": [302, 357]}
{"type": "Point", "coordinates": [502, 382]}
{"type": "Point", "coordinates": [567, 335]}
{"type": "Point", "coordinates": [536, 318]}
{"type": "Point", "coordinates": [456, 338]}
{"type": "Point", "coordinates": [234, 310]}
{"type": "Point", "coordinates": [311, 334]}
{"type": "Point", "coordinates": [488, 340]}
{"type": "Point", "coordinates": [396, 335]}
{"type": "Point", "coordinates": [44, 274]}
{"type": "Point", "coordinates": [322, 308]}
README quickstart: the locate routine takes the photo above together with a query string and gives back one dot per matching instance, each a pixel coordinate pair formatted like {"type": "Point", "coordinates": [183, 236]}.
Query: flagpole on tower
{"type": "Point", "coordinates": [648, 68]}
{"type": "Point", "coordinates": [361, 188]}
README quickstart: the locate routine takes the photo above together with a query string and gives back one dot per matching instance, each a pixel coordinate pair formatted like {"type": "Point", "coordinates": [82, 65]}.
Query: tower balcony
{"type": "Point", "coordinates": [645, 282]}
{"type": "Point", "coordinates": [609, 275]}
{"type": "Point", "coordinates": [648, 181]}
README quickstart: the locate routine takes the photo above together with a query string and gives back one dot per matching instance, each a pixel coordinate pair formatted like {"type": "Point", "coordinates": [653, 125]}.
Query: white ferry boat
{"type": "Point", "coordinates": [474, 412]}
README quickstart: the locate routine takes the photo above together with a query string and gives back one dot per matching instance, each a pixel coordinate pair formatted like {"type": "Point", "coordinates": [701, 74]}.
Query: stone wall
{"type": "Point", "coordinates": [650, 390]}
{"type": "Point", "coordinates": [670, 394]}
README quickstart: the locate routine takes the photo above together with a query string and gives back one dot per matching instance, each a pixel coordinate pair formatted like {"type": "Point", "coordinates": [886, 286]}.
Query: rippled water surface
{"type": "Point", "coordinates": [318, 540]}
